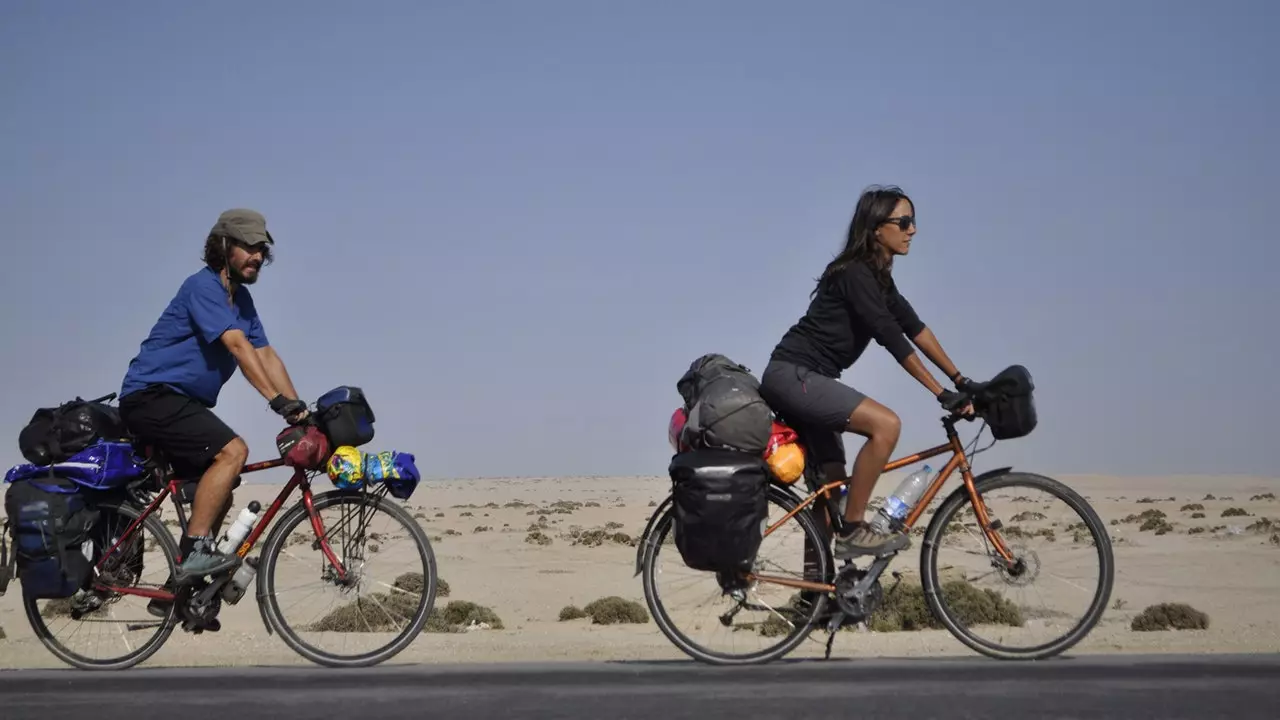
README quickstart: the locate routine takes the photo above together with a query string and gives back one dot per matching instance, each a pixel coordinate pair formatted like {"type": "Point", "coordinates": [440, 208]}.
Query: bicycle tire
{"type": "Point", "coordinates": [266, 583]}
{"type": "Point", "coordinates": [170, 550]}
{"type": "Point", "coordinates": [655, 543]}
{"type": "Point", "coordinates": [930, 577]}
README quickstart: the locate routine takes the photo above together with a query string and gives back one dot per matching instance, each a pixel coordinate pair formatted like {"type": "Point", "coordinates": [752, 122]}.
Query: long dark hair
{"type": "Point", "coordinates": [875, 205]}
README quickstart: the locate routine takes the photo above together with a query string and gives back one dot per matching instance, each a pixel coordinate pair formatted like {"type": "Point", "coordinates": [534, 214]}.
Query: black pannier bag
{"type": "Point", "coordinates": [345, 417]}
{"type": "Point", "coordinates": [55, 434]}
{"type": "Point", "coordinates": [720, 505]}
{"type": "Point", "coordinates": [724, 406]}
{"type": "Point", "coordinates": [50, 521]}
{"type": "Point", "coordinates": [1007, 404]}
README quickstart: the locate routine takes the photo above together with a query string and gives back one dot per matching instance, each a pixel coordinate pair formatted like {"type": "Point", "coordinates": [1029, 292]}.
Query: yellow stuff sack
{"type": "Point", "coordinates": [346, 468]}
{"type": "Point", "coordinates": [787, 462]}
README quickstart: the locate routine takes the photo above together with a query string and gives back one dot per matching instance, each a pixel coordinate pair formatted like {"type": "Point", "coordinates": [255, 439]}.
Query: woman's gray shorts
{"type": "Point", "coordinates": [814, 405]}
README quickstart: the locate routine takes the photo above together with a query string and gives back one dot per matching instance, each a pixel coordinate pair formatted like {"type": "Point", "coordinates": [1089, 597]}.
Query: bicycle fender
{"type": "Point", "coordinates": [991, 473]}
{"type": "Point", "coordinates": [643, 541]}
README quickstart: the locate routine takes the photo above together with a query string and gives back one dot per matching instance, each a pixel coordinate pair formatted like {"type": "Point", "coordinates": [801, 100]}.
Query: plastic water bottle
{"type": "Point", "coordinates": [903, 498]}
{"type": "Point", "coordinates": [239, 530]}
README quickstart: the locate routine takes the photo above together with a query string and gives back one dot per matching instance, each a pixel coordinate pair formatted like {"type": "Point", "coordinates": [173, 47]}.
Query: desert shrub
{"type": "Point", "coordinates": [1210, 497]}
{"type": "Point", "coordinates": [537, 537]}
{"type": "Point", "coordinates": [1028, 516]}
{"type": "Point", "coordinates": [461, 613]}
{"type": "Point", "coordinates": [1235, 512]}
{"type": "Point", "coordinates": [451, 531]}
{"type": "Point", "coordinates": [1143, 516]}
{"type": "Point", "coordinates": [591, 504]}
{"type": "Point", "coordinates": [2, 635]}
{"type": "Point", "coordinates": [773, 626]}
{"type": "Point", "coordinates": [379, 612]}
{"type": "Point", "coordinates": [1157, 524]}
{"type": "Point", "coordinates": [1264, 496]}
{"type": "Point", "coordinates": [481, 528]}
{"type": "Point", "coordinates": [1195, 530]}
{"type": "Point", "coordinates": [905, 609]}
{"type": "Point", "coordinates": [613, 610]}
{"type": "Point", "coordinates": [1262, 526]}
{"type": "Point", "coordinates": [1192, 506]}
{"type": "Point", "coordinates": [1169, 616]}
{"type": "Point", "coordinates": [1197, 516]}
{"type": "Point", "coordinates": [597, 537]}
{"type": "Point", "coordinates": [572, 612]}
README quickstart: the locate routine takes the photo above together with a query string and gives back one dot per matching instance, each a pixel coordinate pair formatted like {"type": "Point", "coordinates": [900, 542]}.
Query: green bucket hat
{"type": "Point", "coordinates": [242, 225]}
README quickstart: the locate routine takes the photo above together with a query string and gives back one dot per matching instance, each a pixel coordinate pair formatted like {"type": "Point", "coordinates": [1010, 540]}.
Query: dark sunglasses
{"type": "Point", "coordinates": [903, 222]}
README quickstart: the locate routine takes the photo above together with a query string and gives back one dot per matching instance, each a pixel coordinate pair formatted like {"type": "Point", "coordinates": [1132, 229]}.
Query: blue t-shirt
{"type": "Point", "coordinates": [183, 350]}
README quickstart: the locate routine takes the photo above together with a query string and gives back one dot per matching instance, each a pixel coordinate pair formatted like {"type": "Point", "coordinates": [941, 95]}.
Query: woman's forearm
{"type": "Point", "coordinates": [929, 345]}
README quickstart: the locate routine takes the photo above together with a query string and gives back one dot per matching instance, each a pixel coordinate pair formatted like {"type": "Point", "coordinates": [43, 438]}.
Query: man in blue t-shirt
{"type": "Point", "coordinates": [210, 328]}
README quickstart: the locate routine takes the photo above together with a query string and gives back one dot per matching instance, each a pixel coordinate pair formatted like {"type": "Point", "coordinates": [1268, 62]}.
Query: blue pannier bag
{"type": "Point", "coordinates": [50, 523]}
{"type": "Point", "coordinates": [104, 465]}
{"type": "Point", "coordinates": [345, 417]}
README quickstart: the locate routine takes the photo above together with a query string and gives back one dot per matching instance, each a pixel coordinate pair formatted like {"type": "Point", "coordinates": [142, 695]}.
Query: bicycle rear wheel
{"type": "Point", "coordinates": [103, 630]}
{"type": "Point", "coordinates": [756, 624]}
{"type": "Point", "coordinates": [1044, 605]}
{"type": "Point", "coordinates": [382, 609]}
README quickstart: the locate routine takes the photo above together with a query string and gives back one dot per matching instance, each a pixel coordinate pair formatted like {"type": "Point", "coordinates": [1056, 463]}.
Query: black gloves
{"type": "Point", "coordinates": [952, 401]}
{"type": "Point", "coordinates": [287, 408]}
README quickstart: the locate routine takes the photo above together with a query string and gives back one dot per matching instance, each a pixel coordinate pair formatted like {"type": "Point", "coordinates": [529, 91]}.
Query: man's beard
{"type": "Point", "coordinates": [240, 279]}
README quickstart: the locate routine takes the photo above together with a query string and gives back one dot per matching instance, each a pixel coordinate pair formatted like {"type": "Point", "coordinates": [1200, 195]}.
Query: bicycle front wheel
{"type": "Point", "coordinates": [1056, 590]}
{"type": "Point", "coordinates": [739, 625]}
{"type": "Point", "coordinates": [369, 614]}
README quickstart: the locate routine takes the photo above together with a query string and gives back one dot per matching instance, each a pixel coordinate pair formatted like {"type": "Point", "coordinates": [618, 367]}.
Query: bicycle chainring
{"type": "Point", "coordinates": [856, 608]}
{"type": "Point", "coordinates": [197, 607]}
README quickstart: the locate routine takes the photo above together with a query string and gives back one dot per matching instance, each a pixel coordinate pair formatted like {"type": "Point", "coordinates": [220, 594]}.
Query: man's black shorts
{"type": "Point", "coordinates": [187, 432]}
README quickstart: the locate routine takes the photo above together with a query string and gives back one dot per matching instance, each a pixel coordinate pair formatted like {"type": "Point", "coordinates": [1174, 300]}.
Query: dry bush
{"type": "Point", "coordinates": [1264, 496]}
{"type": "Point", "coordinates": [906, 609]}
{"type": "Point", "coordinates": [537, 537]}
{"type": "Point", "coordinates": [1159, 525]}
{"type": "Point", "coordinates": [1169, 616]}
{"type": "Point", "coordinates": [1235, 512]}
{"type": "Point", "coordinates": [1197, 516]}
{"type": "Point", "coordinates": [572, 612]}
{"type": "Point", "coordinates": [614, 610]}
{"type": "Point", "coordinates": [1192, 506]}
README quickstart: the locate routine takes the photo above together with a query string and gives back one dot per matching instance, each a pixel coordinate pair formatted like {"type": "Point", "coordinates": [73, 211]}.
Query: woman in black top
{"type": "Point", "coordinates": [856, 301]}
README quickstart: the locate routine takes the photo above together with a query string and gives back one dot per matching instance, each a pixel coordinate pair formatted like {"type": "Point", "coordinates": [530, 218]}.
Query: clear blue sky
{"type": "Point", "coordinates": [515, 224]}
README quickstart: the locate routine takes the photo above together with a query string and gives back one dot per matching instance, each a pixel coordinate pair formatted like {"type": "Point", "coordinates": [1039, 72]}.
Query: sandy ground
{"type": "Point", "coordinates": [1230, 570]}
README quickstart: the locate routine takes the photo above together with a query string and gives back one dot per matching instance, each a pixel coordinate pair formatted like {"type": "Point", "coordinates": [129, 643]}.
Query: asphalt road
{"type": "Point", "coordinates": [1130, 687]}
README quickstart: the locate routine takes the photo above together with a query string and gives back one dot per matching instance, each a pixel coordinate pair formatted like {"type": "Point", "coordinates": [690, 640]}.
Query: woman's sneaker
{"type": "Point", "coordinates": [866, 540]}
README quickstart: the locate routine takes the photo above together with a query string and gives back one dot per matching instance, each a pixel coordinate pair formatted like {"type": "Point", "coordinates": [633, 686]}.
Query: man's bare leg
{"type": "Point", "coordinates": [213, 498]}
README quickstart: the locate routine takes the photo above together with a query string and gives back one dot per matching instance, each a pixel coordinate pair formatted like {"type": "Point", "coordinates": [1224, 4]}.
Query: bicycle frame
{"type": "Point", "coordinates": [173, 487]}
{"type": "Point", "coordinates": [957, 460]}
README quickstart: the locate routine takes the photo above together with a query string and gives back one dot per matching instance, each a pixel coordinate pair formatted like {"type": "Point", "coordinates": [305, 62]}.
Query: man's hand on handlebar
{"type": "Point", "coordinates": [293, 411]}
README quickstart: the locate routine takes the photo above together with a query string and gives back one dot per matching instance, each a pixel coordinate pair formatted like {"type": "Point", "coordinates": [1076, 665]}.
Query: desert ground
{"type": "Point", "coordinates": [509, 545]}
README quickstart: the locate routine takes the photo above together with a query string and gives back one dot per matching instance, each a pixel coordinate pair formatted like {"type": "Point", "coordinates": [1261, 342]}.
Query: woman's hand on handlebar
{"type": "Point", "coordinates": [956, 403]}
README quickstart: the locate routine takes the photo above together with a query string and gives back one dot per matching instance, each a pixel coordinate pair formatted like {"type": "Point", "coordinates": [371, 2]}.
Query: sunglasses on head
{"type": "Point", "coordinates": [903, 222]}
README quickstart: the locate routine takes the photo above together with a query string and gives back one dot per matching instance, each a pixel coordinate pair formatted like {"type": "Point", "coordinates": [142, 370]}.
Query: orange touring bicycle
{"type": "Point", "coordinates": [1015, 565]}
{"type": "Point", "coordinates": [329, 545]}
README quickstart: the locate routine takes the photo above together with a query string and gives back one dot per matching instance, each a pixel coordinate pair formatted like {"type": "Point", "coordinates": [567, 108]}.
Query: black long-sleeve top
{"type": "Point", "coordinates": [842, 319]}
